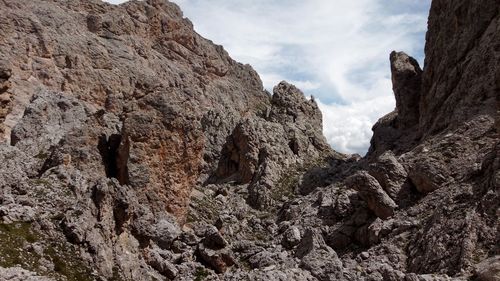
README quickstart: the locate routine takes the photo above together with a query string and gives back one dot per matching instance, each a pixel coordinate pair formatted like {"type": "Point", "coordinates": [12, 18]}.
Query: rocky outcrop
{"type": "Point", "coordinates": [19, 274]}
{"type": "Point", "coordinates": [141, 62]}
{"type": "Point", "coordinates": [135, 149]}
{"type": "Point", "coordinates": [406, 81]}
{"type": "Point", "coordinates": [457, 109]}
{"type": "Point", "coordinates": [397, 131]}
{"type": "Point", "coordinates": [460, 80]}
{"type": "Point", "coordinates": [260, 150]}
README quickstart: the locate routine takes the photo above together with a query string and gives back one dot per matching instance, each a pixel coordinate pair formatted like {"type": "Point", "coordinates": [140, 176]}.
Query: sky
{"type": "Point", "coordinates": [337, 51]}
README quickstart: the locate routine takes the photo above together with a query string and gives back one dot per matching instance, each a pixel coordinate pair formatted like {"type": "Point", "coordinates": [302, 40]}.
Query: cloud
{"type": "Point", "coordinates": [115, 1]}
{"type": "Point", "coordinates": [348, 127]}
{"type": "Point", "coordinates": [337, 51]}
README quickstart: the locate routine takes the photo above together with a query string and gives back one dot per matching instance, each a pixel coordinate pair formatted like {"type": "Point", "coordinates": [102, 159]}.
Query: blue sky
{"type": "Point", "coordinates": [337, 51]}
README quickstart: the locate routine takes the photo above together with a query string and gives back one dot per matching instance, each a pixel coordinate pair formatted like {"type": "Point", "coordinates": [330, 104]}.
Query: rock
{"type": "Point", "coordinates": [120, 126]}
{"type": "Point", "coordinates": [160, 264]}
{"type": "Point", "coordinates": [259, 150]}
{"type": "Point", "coordinates": [5, 70]}
{"type": "Point", "coordinates": [396, 130]}
{"type": "Point", "coordinates": [364, 255]}
{"type": "Point", "coordinates": [15, 212]}
{"type": "Point", "coordinates": [428, 277]}
{"type": "Point", "coordinates": [213, 239]}
{"type": "Point", "coordinates": [163, 231]}
{"type": "Point", "coordinates": [406, 83]}
{"type": "Point", "coordinates": [428, 175]}
{"type": "Point", "coordinates": [219, 260]}
{"type": "Point", "coordinates": [372, 233]}
{"type": "Point", "coordinates": [385, 135]}
{"type": "Point", "coordinates": [459, 63]}
{"type": "Point", "coordinates": [370, 190]}
{"type": "Point", "coordinates": [310, 241]}
{"type": "Point", "coordinates": [317, 257]}
{"type": "Point", "coordinates": [60, 115]}
{"type": "Point", "coordinates": [389, 173]}
{"type": "Point", "coordinates": [488, 270]}
{"type": "Point", "coordinates": [262, 259]}
{"type": "Point", "coordinates": [20, 274]}
{"type": "Point", "coordinates": [291, 237]}
{"type": "Point", "coordinates": [242, 152]}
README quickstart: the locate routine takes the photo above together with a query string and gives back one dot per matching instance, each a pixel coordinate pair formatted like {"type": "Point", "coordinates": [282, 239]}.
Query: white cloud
{"type": "Point", "coordinates": [348, 127]}
{"type": "Point", "coordinates": [335, 50]}
{"type": "Point", "coordinates": [115, 1]}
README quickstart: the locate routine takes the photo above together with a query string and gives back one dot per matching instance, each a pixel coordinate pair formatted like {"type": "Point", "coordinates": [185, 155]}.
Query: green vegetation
{"type": "Point", "coordinates": [43, 182]}
{"type": "Point", "coordinates": [206, 210]}
{"type": "Point", "coordinates": [116, 275]}
{"type": "Point", "coordinates": [200, 274]}
{"type": "Point", "coordinates": [14, 239]}
{"type": "Point", "coordinates": [42, 155]}
{"type": "Point", "coordinates": [66, 262]}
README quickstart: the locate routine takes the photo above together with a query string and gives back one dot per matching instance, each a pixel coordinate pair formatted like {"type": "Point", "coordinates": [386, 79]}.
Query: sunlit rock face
{"type": "Point", "coordinates": [134, 149]}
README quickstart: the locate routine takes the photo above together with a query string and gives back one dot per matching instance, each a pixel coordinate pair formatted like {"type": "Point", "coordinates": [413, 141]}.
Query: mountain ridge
{"type": "Point", "coordinates": [135, 149]}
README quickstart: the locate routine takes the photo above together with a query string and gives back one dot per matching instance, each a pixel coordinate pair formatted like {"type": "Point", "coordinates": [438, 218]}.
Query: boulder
{"type": "Point", "coordinates": [213, 239]}
{"type": "Point", "coordinates": [373, 194]}
{"type": "Point", "coordinates": [428, 174]}
{"type": "Point", "coordinates": [291, 237]}
{"type": "Point", "coordinates": [488, 270]}
{"type": "Point", "coordinates": [317, 257]}
{"type": "Point", "coordinates": [389, 173]}
{"type": "Point", "coordinates": [219, 260]}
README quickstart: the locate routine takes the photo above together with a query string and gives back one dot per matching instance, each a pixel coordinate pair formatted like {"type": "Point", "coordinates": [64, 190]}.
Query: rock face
{"type": "Point", "coordinates": [260, 149]}
{"type": "Point", "coordinates": [134, 149]}
{"type": "Point", "coordinates": [406, 81]}
{"type": "Point", "coordinates": [370, 190]}
{"type": "Point", "coordinates": [141, 62]}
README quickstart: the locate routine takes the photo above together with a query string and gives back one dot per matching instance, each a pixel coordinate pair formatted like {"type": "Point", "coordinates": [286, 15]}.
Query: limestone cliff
{"type": "Point", "coordinates": [134, 149]}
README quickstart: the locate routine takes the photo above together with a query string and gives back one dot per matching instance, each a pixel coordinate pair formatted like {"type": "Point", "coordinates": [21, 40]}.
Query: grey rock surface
{"type": "Point", "coordinates": [406, 81]}
{"type": "Point", "coordinates": [370, 190]}
{"type": "Point", "coordinates": [134, 149]}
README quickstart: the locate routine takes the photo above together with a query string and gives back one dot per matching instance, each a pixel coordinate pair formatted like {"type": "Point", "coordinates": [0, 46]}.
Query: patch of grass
{"type": "Point", "coordinates": [285, 187]}
{"type": "Point", "coordinates": [116, 275]}
{"type": "Point", "coordinates": [42, 155]}
{"type": "Point", "coordinates": [206, 210]}
{"type": "Point", "coordinates": [200, 274]}
{"type": "Point", "coordinates": [13, 252]}
{"type": "Point", "coordinates": [67, 263]}
{"type": "Point", "coordinates": [43, 182]}
{"type": "Point", "coordinates": [13, 239]}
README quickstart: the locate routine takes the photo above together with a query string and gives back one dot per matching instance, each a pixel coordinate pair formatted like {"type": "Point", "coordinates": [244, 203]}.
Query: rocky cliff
{"type": "Point", "coordinates": [134, 149]}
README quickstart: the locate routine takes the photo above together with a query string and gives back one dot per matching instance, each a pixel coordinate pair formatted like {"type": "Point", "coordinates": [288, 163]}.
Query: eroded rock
{"type": "Point", "coordinates": [370, 190]}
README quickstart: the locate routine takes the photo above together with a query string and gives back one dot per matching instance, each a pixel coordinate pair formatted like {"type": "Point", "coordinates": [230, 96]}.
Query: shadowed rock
{"type": "Point", "coordinates": [370, 191]}
{"type": "Point", "coordinates": [406, 84]}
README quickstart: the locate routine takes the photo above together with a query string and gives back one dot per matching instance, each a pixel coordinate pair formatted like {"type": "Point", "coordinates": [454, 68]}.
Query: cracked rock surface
{"type": "Point", "coordinates": [132, 148]}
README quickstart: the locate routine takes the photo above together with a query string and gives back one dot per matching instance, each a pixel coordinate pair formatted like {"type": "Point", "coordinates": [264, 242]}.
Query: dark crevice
{"type": "Point", "coordinates": [294, 146]}
{"type": "Point", "coordinates": [114, 153]}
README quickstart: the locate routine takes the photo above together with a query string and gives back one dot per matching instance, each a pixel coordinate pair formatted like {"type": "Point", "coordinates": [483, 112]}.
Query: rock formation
{"type": "Point", "coordinates": [134, 149]}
